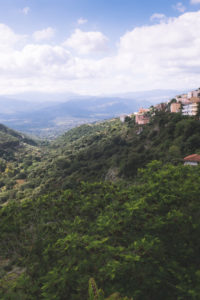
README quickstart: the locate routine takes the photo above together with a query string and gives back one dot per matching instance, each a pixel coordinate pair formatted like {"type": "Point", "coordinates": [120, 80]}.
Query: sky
{"type": "Point", "coordinates": [98, 47]}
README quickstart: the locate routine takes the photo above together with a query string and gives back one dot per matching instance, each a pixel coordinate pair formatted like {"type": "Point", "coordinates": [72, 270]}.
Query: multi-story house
{"type": "Point", "coordinates": [191, 109]}
{"type": "Point", "coordinates": [175, 107]}
{"type": "Point", "coordinates": [190, 103]}
{"type": "Point", "coordinates": [141, 117]}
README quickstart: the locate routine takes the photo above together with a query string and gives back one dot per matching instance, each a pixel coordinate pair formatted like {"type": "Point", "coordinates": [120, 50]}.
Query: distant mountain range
{"type": "Point", "coordinates": [48, 115]}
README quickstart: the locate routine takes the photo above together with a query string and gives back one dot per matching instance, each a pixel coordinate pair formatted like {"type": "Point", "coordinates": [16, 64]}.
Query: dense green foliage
{"type": "Point", "coordinates": [78, 208]}
{"type": "Point", "coordinates": [11, 142]}
{"type": "Point", "coordinates": [96, 294]}
{"type": "Point", "coordinates": [105, 151]}
{"type": "Point", "coordinates": [113, 150]}
{"type": "Point", "coordinates": [17, 154]}
{"type": "Point", "coordinates": [140, 240]}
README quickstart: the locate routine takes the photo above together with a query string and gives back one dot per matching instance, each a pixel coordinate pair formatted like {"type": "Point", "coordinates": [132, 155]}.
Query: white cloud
{"type": "Point", "coordinates": [158, 17]}
{"type": "Point", "coordinates": [82, 21]}
{"type": "Point", "coordinates": [87, 42]}
{"type": "Point", "coordinates": [44, 34]}
{"type": "Point", "coordinates": [26, 10]}
{"type": "Point", "coordinates": [195, 1]}
{"type": "Point", "coordinates": [163, 55]}
{"type": "Point", "coordinates": [8, 38]}
{"type": "Point", "coordinates": [180, 7]}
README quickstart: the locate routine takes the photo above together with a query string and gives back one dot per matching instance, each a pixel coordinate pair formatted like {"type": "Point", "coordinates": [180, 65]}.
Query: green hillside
{"type": "Point", "coordinates": [110, 201]}
{"type": "Point", "coordinates": [112, 151]}
{"type": "Point", "coordinates": [12, 143]}
{"type": "Point", "coordinates": [141, 241]}
{"type": "Point", "coordinates": [17, 152]}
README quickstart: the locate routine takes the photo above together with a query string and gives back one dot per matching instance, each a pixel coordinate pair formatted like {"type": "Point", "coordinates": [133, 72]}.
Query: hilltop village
{"type": "Point", "coordinates": [186, 104]}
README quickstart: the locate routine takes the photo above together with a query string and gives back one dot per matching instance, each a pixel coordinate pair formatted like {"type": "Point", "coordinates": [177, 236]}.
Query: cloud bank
{"type": "Point", "coordinates": [87, 42]}
{"type": "Point", "coordinates": [163, 55]}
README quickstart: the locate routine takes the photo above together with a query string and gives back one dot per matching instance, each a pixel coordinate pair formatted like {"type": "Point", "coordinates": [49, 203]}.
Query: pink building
{"type": "Point", "coordinates": [195, 94]}
{"type": "Point", "coordinates": [141, 117]}
{"type": "Point", "coordinates": [182, 98]}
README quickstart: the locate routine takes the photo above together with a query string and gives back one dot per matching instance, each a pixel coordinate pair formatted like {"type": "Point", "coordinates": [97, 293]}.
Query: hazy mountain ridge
{"type": "Point", "coordinates": [47, 115]}
{"type": "Point", "coordinates": [69, 114]}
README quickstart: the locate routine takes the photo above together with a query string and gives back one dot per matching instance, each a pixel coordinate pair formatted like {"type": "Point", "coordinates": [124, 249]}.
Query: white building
{"type": "Point", "coordinates": [122, 118]}
{"type": "Point", "coordinates": [192, 160]}
{"type": "Point", "coordinates": [190, 109]}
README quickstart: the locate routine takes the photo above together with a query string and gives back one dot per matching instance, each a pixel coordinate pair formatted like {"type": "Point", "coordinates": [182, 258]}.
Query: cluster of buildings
{"type": "Point", "coordinates": [187, 104]}
{"type": "Point", "coordinates": [142, 117]}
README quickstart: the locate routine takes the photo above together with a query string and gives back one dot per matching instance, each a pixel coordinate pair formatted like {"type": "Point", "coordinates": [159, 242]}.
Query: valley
{"type": "Point", "coordinates": [47, 116]}
{"type": "Point", "coordinates": [99, 150]}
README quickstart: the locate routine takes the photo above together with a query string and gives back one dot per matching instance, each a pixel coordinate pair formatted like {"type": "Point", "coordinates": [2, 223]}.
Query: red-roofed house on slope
{"type": "Point", "coordinates": [192, 160]}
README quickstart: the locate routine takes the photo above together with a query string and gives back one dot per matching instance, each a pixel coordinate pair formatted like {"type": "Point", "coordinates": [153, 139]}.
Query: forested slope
{"type": "Point", "coordinates": [141, 241]}
{"type": "Point", "coordinates": [114, 151]}
{"type": "Point", "coordinates": [110, 150]}
{"type": "Point", "coordinates": [17, 153]}
{"type": "Point", "coordinates": [12, 143]}
{"type": "Point", "coordinates": [82, 207]}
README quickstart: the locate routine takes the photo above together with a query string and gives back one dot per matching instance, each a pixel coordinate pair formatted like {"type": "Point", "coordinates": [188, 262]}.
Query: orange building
{"type": "Point", "coordinates": [175, 107]}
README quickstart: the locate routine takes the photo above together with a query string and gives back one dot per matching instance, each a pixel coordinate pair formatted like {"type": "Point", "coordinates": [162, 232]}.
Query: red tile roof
{"type": "Point", "coordinates": [193, 157]}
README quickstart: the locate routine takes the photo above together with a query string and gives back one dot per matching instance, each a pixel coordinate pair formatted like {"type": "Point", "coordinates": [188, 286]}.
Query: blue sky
{"type": "Point", "coordinates": [114, 17]}
{"type": "Point", "coordinates": [98, 46]}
